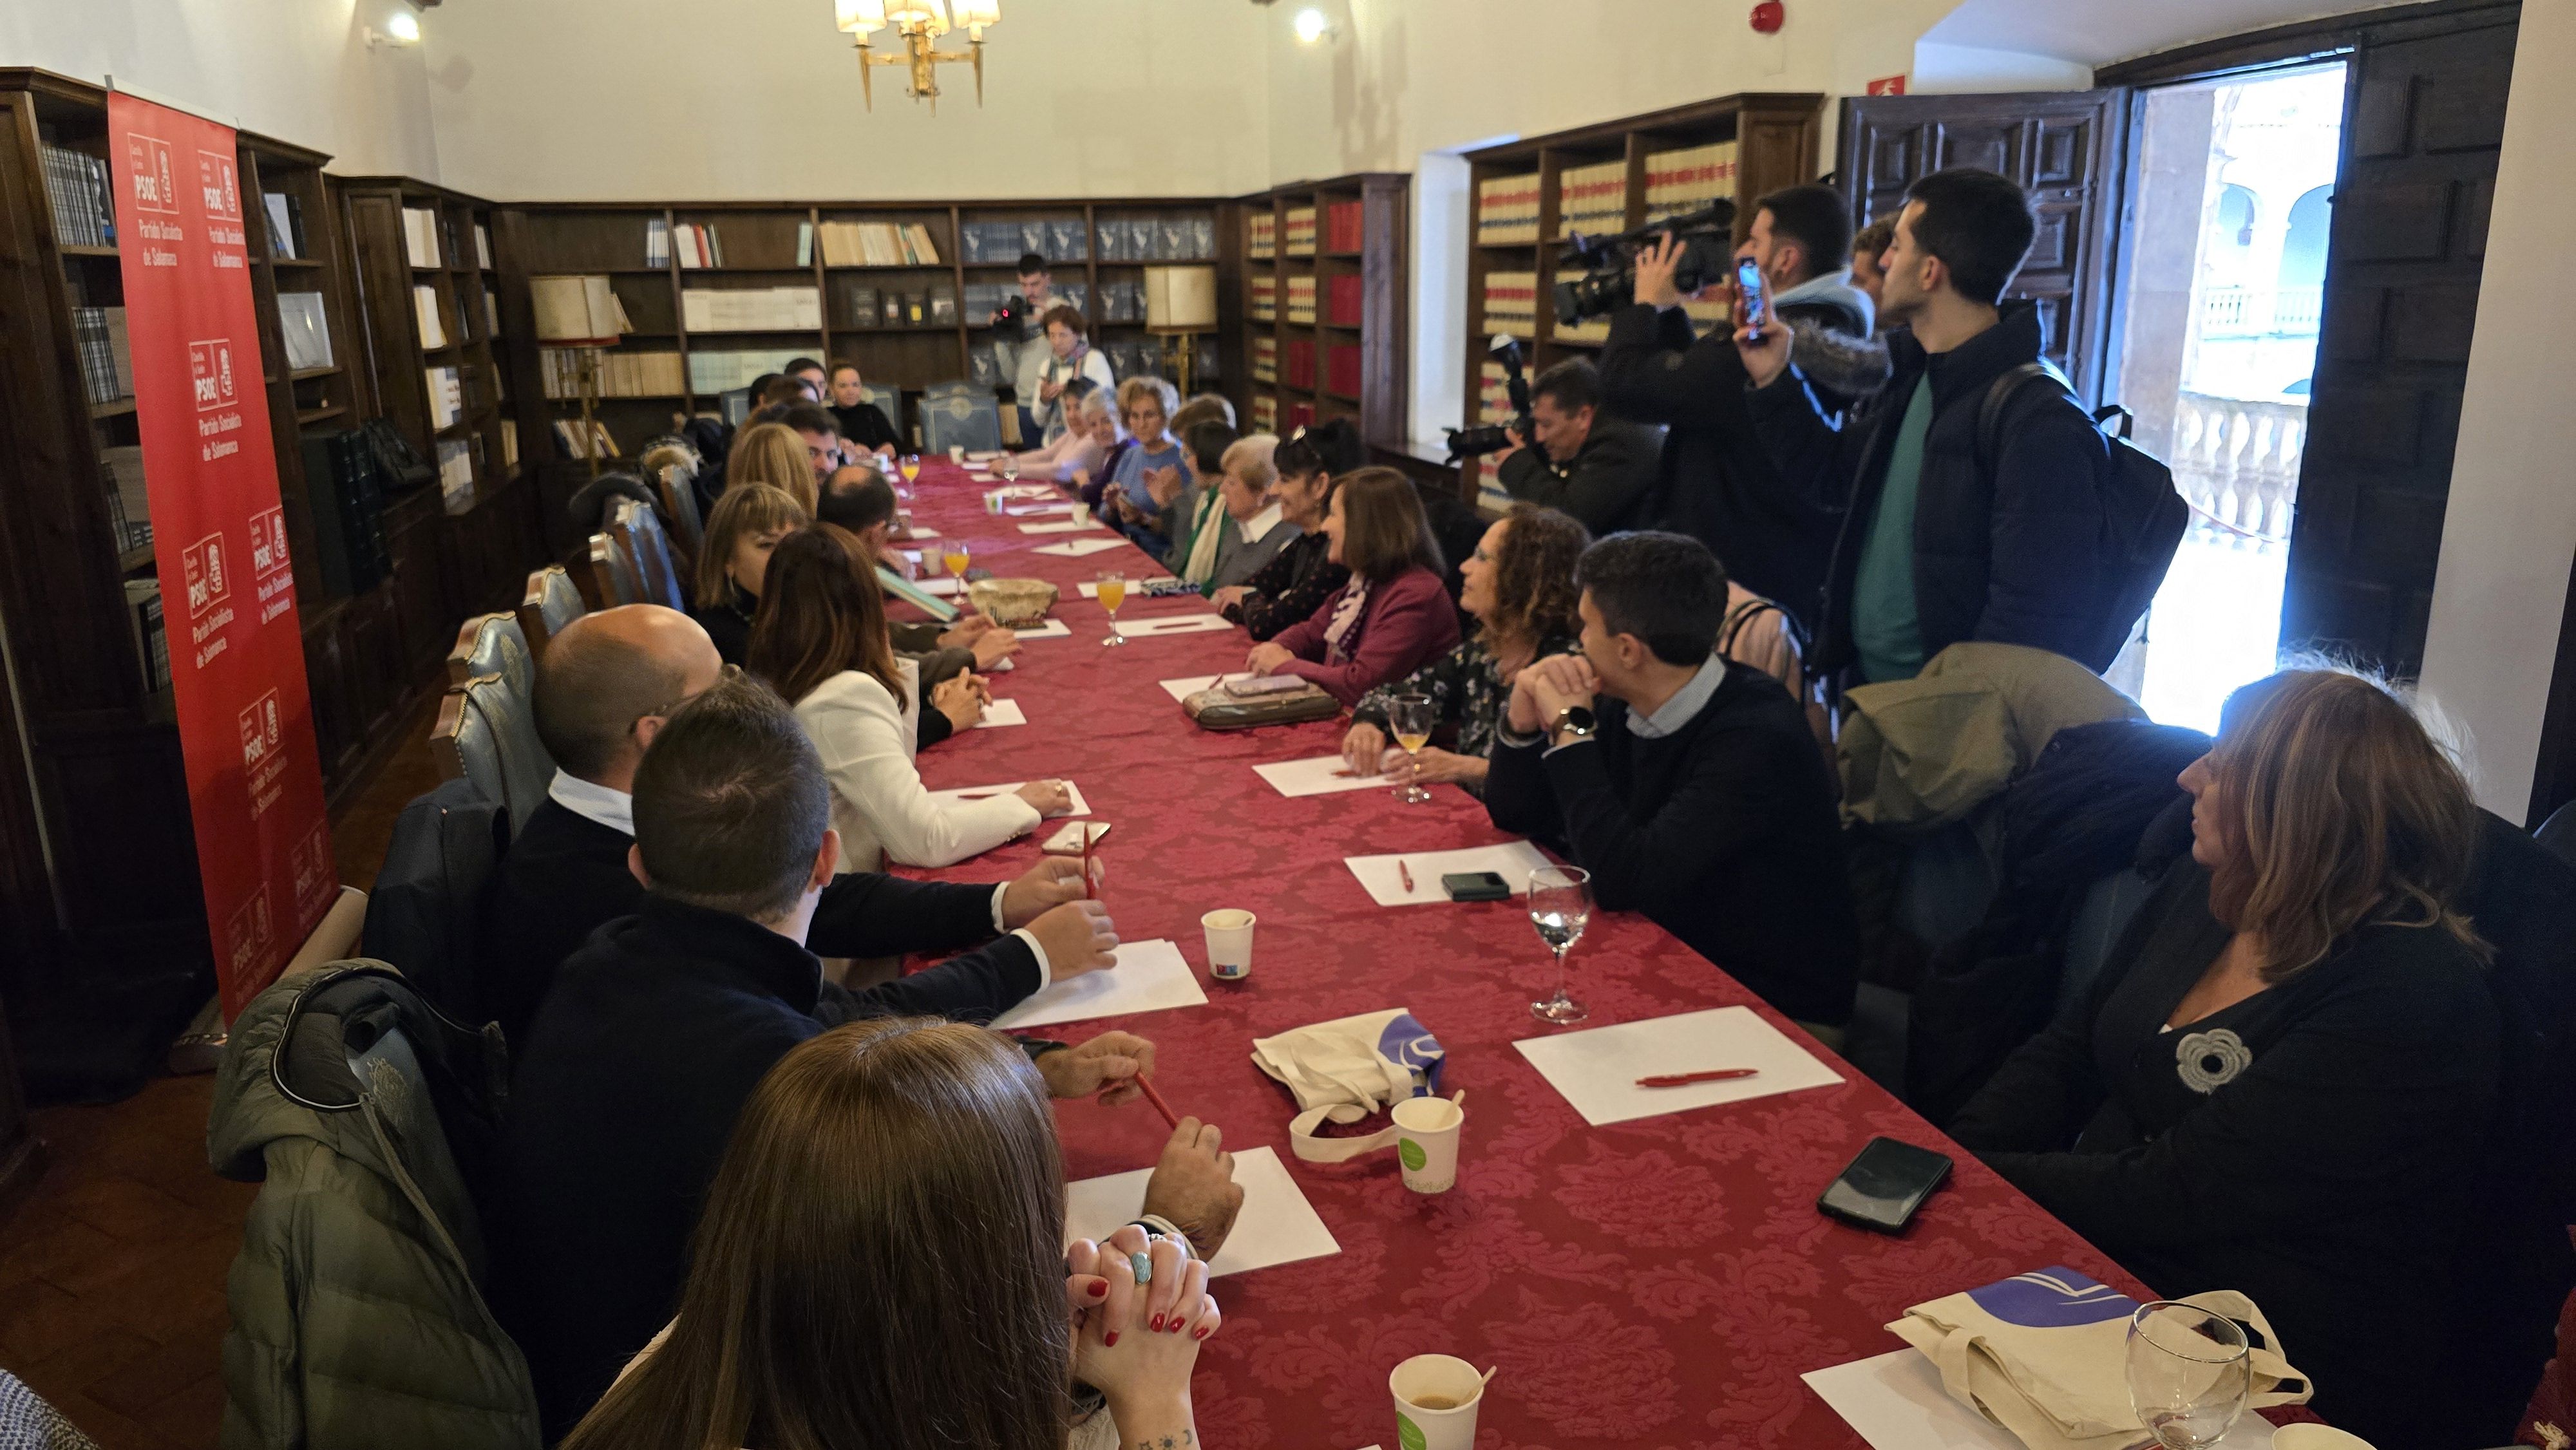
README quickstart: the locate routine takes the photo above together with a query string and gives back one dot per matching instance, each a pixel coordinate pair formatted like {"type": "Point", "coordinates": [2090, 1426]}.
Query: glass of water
{"type": "Point", "coordinates": [2190, 1373]}
{"type": "Point", "coordinates": [1560, 904]}
{"type": "Point", "coordinates": [1010, 467]}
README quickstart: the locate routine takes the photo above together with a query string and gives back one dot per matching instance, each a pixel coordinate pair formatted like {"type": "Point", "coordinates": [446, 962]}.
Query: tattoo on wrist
{"type": "Point", "coordinates": [1182, 1441]}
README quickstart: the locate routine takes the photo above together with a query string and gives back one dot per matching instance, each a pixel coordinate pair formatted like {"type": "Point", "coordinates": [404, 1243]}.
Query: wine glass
{"type": "Point", "coordinates": [1560, 903]}
{"type": "Point", "coordinates": [1409, 719]}
{"type": "Point", "coordinates": [1113, 592]}
{"type": "Point", "coordinates": [956, 558]}
{"type": "Point", "coordinates": [910, 463]}
{"type": "Point", "coordinates": [1010, 467]}
{"type": "Point", "coordinates": [2189, 1372]}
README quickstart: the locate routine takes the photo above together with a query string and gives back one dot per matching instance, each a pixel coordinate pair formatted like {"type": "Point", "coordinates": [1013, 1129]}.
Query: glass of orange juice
{"type": "Point", "coordinates": [955, 557]}
{"type": "Point", "coordinates": [911, 465]}
{"type": "Point", "coordinates": [1113, 592]}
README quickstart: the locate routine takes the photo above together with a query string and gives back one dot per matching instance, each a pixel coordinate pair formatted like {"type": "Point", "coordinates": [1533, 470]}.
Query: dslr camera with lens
{"type": "Point", "coordinates": [1494, 438]}
{"type": "Point", "coordinates": [1606, 267]}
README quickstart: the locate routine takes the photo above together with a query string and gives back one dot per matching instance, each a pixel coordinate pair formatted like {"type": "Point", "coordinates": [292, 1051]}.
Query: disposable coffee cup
{"type": "Point", "coordinates": [1081, 514]}
{"type": "Point", "coordinates": [957, 453]}
{"type": "Point", "coordinates": [993, 503]}
{"type": "Point", "coordinates": [1426, 1143]}
{"type": "Point", "coordinates": [1435, 1402]}
{"type": "Point", "coordinates": [1229, 943]}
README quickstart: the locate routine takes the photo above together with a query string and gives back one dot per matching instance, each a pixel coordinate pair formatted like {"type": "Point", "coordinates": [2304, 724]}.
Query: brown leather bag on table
{"type": "Point", "coordinates": [1243, 704]}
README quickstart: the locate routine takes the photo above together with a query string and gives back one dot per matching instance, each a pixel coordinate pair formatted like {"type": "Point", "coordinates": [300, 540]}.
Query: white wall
{"type": "Point", "coordinates": [567, 100]}
{"type": "Point", "coordinates": [295, 70]}
{"type": "Point", "coordinates": [2510, 530]}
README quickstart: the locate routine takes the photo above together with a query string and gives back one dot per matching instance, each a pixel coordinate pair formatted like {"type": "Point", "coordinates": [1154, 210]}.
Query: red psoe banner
{"type": "Point", "coordinates": [219, 536]}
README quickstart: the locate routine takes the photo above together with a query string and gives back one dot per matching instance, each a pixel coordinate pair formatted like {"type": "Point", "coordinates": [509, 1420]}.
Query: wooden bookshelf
{"type": "Point", "coordinates": [761, 246]}
{"type": "Point", "coordinates": [1776, 141]}
{"type": "Point", "coordinates": [1360, 290]}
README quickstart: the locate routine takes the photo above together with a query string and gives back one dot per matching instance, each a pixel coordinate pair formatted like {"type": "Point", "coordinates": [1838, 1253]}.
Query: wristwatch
{"type": "Point", "coordinates": [1572, 723]}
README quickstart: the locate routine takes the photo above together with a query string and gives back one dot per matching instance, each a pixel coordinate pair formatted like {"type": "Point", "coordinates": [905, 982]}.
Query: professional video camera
{"type": "Point", "coordinates": [1013, 311]}
{"type": "Point", "coordinates": [1608, 265]}
{"type": "Point", "coordinates": [1477, 442]}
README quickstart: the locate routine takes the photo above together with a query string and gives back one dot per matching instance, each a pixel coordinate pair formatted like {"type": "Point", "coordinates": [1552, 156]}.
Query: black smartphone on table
{"type": "Point", "coordinates": [1884, 1185]}
{"type": "Point", "coordinates": [1476, 886]}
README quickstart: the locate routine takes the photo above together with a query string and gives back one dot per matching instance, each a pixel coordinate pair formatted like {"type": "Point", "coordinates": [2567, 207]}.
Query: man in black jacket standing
{"type": "Point", "coordinates": [1595, 467]}
{"type": "Point", "coordinates": [656, 1033]}
{"type": "Point", "coordinates": [1939, 544]}
{"type": "Point", "coordinates": [1717, 483]}
{"type": "Point", "coordinates": [1689, 787]}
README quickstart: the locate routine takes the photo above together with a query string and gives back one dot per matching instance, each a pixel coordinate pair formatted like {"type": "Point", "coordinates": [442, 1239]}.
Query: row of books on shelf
{"type": "Point", "coordinates": [1592, 199]}
{"type": "Point", "coordinates": [151, 636]}
{"type": "Point", "coordinates": [994, 244]}
{"type": "Point", "coordinates": [866, 244]}
{"type": "Point", "coordinates": [697, 246]}
{"type": "Point", "coordinates": [341, 485]}
{"type": "Point", "coordinates": [752, 309]}
{"type": "Point", "coordinates": [1507, 210]}
{"type": "Point", "coordinates": [1493, 405]}
{"type": "Point", "coordinates": [307, 329]}
{"type": "Point", "coordinates": [1511, 304]}
{"type": "Point", "coordinates": [425, 312]}
{"type": "Point", "coordinates": [1299, 226]}
{"type": "Point", "coordinates": [858, 305]}
{"type": "Point", "coordinates": [1689, 179]}
{"type": "Point", "coordinates": [285, 223]}
{"type": "Point", "coordinates": [129, 507]}
{"type": "Point", "coordinates": [1269, 417]}
{"type": "Point", "coordinates": [621, 374]}
{"type": "Point", "coordinates": [1293, 365]}
{"type": "Point", "coordinates": [106, 361]}
{"type": "Point", "coordinates": [456, 474]}
{"type": "Point", "coordinates": [446, 388]}
{"type": "Point", "coordinates": [1262, 300]}
{"type": "Point", "coordinates": [1261, 236]}
{"type": "Point", "coordinates": [1265, 359]}
{"type": "Point", "coordinates": [579, 443]}
{"type": "Point", "coordinates": [1344, 228]}
{"type": "Point", "coordinates": [421, 227]}
{"type": "Point", "coordinates": [1301, 300]}
{"type": "Point", "coordinates": [84, 205]}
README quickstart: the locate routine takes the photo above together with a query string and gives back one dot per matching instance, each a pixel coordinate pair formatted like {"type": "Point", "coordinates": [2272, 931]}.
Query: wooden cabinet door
{"type": "Point", "coordinates": [2423, 125]}
{"type": "Point", "coordinates": [2068, 149]}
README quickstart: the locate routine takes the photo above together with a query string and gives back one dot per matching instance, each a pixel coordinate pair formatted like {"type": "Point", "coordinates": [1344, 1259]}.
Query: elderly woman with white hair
{"type": "Point", "coordinates": [1250, 529]}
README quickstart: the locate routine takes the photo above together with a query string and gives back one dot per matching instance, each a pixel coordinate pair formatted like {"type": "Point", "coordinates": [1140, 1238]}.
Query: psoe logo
{"type": "Point", "coordinates": [218, 186]}
{"type": "Point", "coordinates": [268, 543]}
{"type": "Point", "coordinates": [262, 731]}
{"type": "Point", "coordinates": [310, 866]}
{"type": "Point", "coordinates": [147, 163]}
{"type": "Point", "coordinates": [210, 372]}
{"type": "Point", "coordinates": [249, 931]}
{"type": "Point", "coordinates": [207, 582]}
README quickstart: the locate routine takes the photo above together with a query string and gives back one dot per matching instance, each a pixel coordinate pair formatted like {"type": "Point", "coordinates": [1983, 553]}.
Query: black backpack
{"type": "Point", "coordinates": [2143, 514]}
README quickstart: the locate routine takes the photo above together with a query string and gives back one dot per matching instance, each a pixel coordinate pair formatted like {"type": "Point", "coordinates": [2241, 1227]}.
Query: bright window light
{"type": "Point", "coordinates": [1312, 26]}
{"type": "Point", "coordinates": [404, 27]}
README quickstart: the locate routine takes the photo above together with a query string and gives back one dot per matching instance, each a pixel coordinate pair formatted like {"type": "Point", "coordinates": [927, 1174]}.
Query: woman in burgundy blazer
{"type": "Point", "coordinates": [1393, 617]}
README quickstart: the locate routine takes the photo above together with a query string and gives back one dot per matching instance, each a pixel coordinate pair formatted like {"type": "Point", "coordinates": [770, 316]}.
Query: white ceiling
{"type": "Point", "coordinates": [2098, 32]}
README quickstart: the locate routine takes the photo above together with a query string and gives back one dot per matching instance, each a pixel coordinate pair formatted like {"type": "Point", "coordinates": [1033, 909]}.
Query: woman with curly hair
{"type": "Point", "coordinates": [1520, 590]}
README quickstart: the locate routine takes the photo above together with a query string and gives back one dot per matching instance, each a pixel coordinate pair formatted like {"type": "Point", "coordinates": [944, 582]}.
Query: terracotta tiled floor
{"type": "Point", "coordinates": [112, 1272]}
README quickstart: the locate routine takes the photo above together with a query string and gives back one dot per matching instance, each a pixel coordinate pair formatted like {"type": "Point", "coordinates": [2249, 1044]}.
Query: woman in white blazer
{"type": "Point", "coordinates": [820, 640]}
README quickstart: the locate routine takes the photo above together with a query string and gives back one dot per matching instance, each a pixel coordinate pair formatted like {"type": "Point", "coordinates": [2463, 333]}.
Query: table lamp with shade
{"type": "Point", "coordinates": [581, 313]}
{"type": "Point", "coordinates": [1180, 303]}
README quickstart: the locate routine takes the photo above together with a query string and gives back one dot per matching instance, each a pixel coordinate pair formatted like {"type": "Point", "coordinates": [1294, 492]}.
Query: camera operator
{"type": "Point", "coordinates": [1938, 544]}
{"type": "Point", "coordinates": [1029, 356]}
{"type": "Point", "coordinates": [1717, 483]}
{"type": "Point", "coordinates": [1598, 468]}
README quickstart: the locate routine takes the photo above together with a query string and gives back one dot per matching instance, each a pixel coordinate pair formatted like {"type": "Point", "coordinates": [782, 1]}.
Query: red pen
{"type": "Point", "coordinates": [1404, 873]}
{"type": "Point", "coordinates": [1685, 1079]}
{"type": "Point", "coordinates": [1156, 1099]}
{"type": "Point", "coordinates": [1086, 863]}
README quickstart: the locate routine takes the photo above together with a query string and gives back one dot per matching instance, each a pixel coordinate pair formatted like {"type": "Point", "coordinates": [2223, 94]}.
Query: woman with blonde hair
{"type": "Point", "coordinates": [772, 453]}
{"type": "Point", "coordinates": [746, 525]}
{"type": "Point", "coordinates": [881, 1262]}
{"type": "Point", "coordinates": [820, 640]}
{"type": "Point", "coordinates": [2281, 1080]}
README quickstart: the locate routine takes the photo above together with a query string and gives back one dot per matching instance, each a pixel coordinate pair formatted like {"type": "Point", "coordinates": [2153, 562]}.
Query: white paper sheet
{"type": "Point", "coordinates": [983, 455]}
{"type": "Point", "coordinates": [1512, 860]}
{"type": "Point", "coordinates": [1025, 490]}
{"type": "Point", "coordinates": [1081, 807]}
{"type": "Point", "coordinates": [1079, 548]}
{"type": "Point", "coordinates": [1895, 1402]}
{"type": "Point", "coordinates": [944, 586]}
{"type": "Point", "coordinates": [924, 534]}
{"type": "Point", "coordinates": [1320, 776]}
{"type": "Point", "coordinates": [1061, 526]}
{"type": "Point", "coordinates": [1023, 510]}
{"type": "Point", "coordinates": [1277, 1224]}
{"type": "Point", "coordinates": [1182, 689]}
{"type": "Point", "coordinates": [1043, 629]}
{"type": "Point", "coordinates": [1172, 624]}
{"type": "Point", "coordinates": [1000, 713]}
{"type": "Point", "coordinates": [1597, 1069]}
{"type": "Point", "coordinates": [1150, 977]}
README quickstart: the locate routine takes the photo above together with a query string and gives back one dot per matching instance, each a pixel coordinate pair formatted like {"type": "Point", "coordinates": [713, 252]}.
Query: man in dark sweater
{"type": "Point", "coordinates": [1691, 789]}
{"type": "Point", "coordinates": [604, 686]}
{"type": "Point", "coordinates": [1595, 467]}
{"type": "Point", "coordinates": [656, 1033]}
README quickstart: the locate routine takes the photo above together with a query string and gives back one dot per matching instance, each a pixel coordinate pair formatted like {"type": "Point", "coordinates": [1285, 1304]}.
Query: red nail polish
{"type": "Point", "coordinates": [1110, 1338]}
{"type": "Point", "coordinates": [1099, 1290]}
{"type": "Point", "coordinates": [1202, 1334]}
{"type": "Point", "coordinates": [1156, 1327]}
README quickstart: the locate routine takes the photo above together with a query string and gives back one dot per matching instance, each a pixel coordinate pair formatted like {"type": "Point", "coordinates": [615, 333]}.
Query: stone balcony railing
{"type": "Point", "coordinates": [2237, 462]}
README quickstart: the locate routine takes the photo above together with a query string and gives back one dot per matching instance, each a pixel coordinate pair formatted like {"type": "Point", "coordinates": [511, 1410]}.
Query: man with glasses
{"type": "Point", "coordinates": [605, 685]}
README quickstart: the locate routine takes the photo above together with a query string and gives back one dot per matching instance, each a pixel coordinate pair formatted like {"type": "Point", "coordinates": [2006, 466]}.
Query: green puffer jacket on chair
{"type": "Point", "coordinates": [357, 1320]}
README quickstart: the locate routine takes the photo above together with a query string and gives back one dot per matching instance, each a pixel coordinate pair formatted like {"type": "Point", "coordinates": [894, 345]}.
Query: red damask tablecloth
{"type": "Point", "coordinates": [1655, 1283]}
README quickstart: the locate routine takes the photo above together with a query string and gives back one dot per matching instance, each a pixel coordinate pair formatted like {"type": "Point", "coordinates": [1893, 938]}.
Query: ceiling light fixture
{"type": "Point", "coordinates": [401, 28]}
{"type": "Point", "coordinates": [1312, 25]}
{"type": "Point", "coordinates": [919, 24]}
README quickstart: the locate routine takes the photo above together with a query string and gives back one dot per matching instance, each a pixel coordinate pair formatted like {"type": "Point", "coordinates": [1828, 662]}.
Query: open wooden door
{"type": "Point", "coordinates": [2069, 149]}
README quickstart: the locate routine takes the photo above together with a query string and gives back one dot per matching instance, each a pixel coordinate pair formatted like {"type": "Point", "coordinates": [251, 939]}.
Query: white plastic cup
{"type": "Point", "coordinates": [1229, 943]}
{"type": "Point", "coordinates": [1081, 514]}
{"type": "Point", "coordinates": [1426, 1143]}
{"type": "Point", "coordinates": [1435, 1402]}
{"type": "Point", "coordinates": [993, 503]}
{"type": "Point", "coordinates": [957, 453]}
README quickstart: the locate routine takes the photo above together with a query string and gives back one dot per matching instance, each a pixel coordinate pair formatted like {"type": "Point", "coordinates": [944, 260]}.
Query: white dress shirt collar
{"type": "Point", "coordinates": [1683, 707]}
{"type": "Point", "coordinates": [592, 801]}
{"type": "Point", "coordinates": [1260, 524]}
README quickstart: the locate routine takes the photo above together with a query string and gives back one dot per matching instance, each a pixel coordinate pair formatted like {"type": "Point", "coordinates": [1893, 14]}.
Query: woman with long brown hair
{"type": "Point", "coordinates": [2281, 1079]}
{"type": "Point", "coordinates": [734, 559]}
{"type": "Point", "coordinates": [1393, 617]}
{"type": "Point", "coordinates": [774, 454]}
{"type": "Point", "coordinates": [1302, 575]}
{"type": "Point", "coordinates": [1520, 591]}
{"type": "Point", "coordinates": [880, 1263]}
{"type": "Point", "coordinates": [820, 640]}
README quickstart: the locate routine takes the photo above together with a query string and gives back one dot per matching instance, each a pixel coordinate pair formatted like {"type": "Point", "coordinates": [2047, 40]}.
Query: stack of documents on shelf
{"type": "Point", "coordinates": [1687, 180]}
{"type": "Point", "coordinates": [879, 244]}
{"type": "Point", "coordinates": [1592, 199]}
{"type": "Point", "coordinates": [1511, 303]}
{"type": "Point", "coordinates": [420, 236]}
{"type": "Point", "coordinates": [76, 183]}
{"type": "Point", "coordinates": [1507, 210]}
{"type": "Point", "coordinates": [755, 309]}
{"type": "Point", "coordinates": [307, 328]}
{"type": "Point", "coordinates": [424, 306]}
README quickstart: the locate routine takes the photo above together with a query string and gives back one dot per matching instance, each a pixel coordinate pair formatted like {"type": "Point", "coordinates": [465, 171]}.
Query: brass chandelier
{"type": "Point", "coordinates": [918, 24]}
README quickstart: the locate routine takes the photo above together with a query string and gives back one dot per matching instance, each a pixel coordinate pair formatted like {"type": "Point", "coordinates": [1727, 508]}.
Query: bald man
{"type": "Point", "coordinates": [604, 686]}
